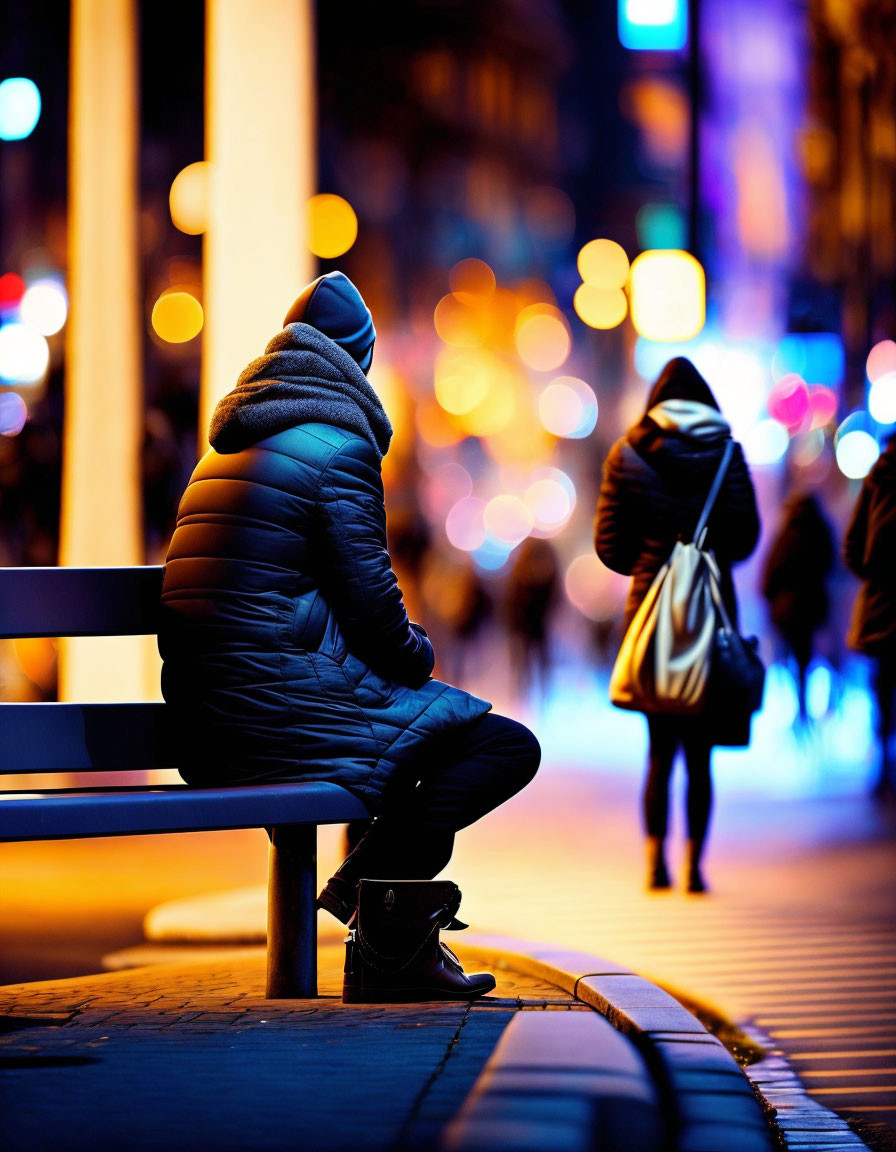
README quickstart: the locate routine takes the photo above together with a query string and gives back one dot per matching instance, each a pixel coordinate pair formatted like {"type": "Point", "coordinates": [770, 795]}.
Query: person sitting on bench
{"type": "Point", "coordinates": [288, 653]}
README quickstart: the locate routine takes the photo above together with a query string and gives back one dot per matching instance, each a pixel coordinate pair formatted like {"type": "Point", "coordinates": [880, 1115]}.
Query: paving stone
{"type": "Point", "coordinates": [627, 992]}
{"type": "Point", "coordinates": [734, 1109]}
{"type": "Point", "coordinates": [722, 1138]}
{"type": "Point", "coordinates": [583, 1042]}
{"type": "Point", "coordinates": [646, 1019]}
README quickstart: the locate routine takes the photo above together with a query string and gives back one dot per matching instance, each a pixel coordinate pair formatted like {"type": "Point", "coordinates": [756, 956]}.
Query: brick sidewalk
{"type": "Point", "coordinates": [193, 1056]}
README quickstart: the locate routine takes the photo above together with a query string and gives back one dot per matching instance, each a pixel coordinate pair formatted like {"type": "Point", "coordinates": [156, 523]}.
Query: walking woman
{"type": "Point", "coordinates": [288, 653]}
{"type": "Point", "coordinates": [655, 481]}
{"type": "Point", "coordinates": [869, 549]}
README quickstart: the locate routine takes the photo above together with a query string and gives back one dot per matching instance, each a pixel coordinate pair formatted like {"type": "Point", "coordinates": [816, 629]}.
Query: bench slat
{"type": "Point", "coordinates": [176, 808]}
{"type": "Point", "coordinates": [85, 738]}
{"type": "Point", "coordinates": [79, 601]}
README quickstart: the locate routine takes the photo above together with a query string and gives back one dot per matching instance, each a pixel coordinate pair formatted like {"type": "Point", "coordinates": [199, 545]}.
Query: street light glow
{"type": "Point", "coordinates": [188, 198]}
{"type": "Point", "coordinates": [332, 225]}
{"type": "Point", "coordinates": [668, 295]}
{"type": "Point", "coordinates": [19, 108]}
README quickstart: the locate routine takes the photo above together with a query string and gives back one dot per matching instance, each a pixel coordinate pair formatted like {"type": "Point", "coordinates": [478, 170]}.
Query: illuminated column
{"type": "Point", "coordinates": [260, 142]}
{"type": "Point", "coordinates": [101, 518]}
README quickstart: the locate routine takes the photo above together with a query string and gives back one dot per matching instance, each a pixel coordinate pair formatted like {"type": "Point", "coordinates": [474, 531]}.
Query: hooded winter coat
{"type": "Point", "coordinates": [287, 650]}
{"type": "Point", "coordinates": [655, 482]}
{"type": "Point", "coordinates": [869, 550]}
{"type": "Point", "coordinates": [796, 568]}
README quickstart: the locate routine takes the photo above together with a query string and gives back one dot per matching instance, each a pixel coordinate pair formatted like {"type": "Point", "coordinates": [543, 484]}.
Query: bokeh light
{"type": "Point", "coordinates": [507, 519]}
{"type": "Point", "coordinates": [435, 427]}
{"type": "Point", "coordinates": [567, 407]}
{"type": "Point", "coordinates": [332, 225]}
{"type": "Point", "coordinates": [542, 337]}
{"type": "Point", "coordinates": [788, 401]}
{"type": "Point", "coordinates": [590, 586]}
{"type": "Point", "coordinates": [19, 108]}
{"type": "Point", "coordinates": [444, 488]}
{"type": "Point", "coordinates": [188, 198]}
{"type": "Point", "coordinates": [461, 321]}
{"type": "Point", "coordinates": [806, 447]}
{"type": "Point", "coordinates": [881, 360]}
{"type": "Point", "coordinates": [603, 263]}
{"type": "Point", "coordinates": [45, 306]}
{"type": "Point", "coordinates": [660, 226]}
{"type": "Point", "coordinates": [668, 295]}
{"type": "Point", "coordinates": [882, 398]}
{"type": "Point", "coordinates": [855, 445]}
{"type": "Point", "coordinates": [491, 555]}
{"type": "Point", "coordinates": [24, 354]}
{"type": "Point", "coordinates": [822, 406]}
{"type": "Point", "coordinates": [739, 379]}
{"type": "Point", "coordinates": [12, 289]}
{"type": "Point", "coordinates": [472, 281]}
{"type": "Point", "coordinates": [856, 453]}
{"type": "Point", "coordinates": [13, 413]}
{"type": "Point", "coordinates": [600, 307]}
{"type": "Point", "coordinates": [816, 356]}
{"type": "Point", "coordinates": [497, 408]}
{"type": "Point", "coordinates": [550, 498]}
{"type": "Point", "coordinates": [461, 382]}
{"type": "Point", "coordinates": [653, 25]}
{"type": "Point", "coordinates": [177, 317]}
{"type": "Point", "coordinates": [765, 443]}
{"type": "Point", "coordinates": [464, 524]}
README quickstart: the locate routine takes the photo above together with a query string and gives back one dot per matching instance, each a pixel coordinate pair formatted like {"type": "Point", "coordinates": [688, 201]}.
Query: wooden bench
{"type": "Point", "coordinates": [80, 738]}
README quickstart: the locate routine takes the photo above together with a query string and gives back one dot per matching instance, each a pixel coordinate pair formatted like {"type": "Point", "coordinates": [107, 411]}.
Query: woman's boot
{"type": "Point", "coordinates": [695, 881]}
{"type": "Point", "coordinates": [393, 951]}
{"type": "Point", "coordinates": [657, 872]}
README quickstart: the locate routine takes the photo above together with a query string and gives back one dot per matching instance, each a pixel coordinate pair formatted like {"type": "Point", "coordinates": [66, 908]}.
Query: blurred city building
{"type": "Point", "coordinates": [528, 195]}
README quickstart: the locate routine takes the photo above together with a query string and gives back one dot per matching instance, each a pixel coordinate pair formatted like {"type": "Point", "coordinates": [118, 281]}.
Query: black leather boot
{"type": "Point", "coordinates": [393, 953]}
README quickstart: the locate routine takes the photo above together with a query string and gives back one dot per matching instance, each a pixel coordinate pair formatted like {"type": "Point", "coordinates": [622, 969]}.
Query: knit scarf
{"type": "Point", "coordinates": [303, 377]}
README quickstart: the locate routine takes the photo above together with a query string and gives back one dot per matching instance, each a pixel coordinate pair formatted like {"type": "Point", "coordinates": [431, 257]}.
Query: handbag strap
{"type": "Point", "coordinates": [700, 530]}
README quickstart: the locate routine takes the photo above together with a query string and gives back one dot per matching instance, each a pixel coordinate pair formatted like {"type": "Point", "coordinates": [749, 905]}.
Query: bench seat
{"type": "Point", "coordinates": [69, 739]}
{"type": "Point", "coordinates": [63, 814]}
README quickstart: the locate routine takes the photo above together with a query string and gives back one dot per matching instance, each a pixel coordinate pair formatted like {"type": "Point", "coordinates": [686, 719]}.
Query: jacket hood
{"type": "Point", "coordinates": [690, 418]}
{"type": "Point", "coordinates": [680, 380]}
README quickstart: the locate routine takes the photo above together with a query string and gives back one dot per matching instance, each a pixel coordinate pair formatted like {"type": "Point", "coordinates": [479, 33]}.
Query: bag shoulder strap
{"type": "Point", "coordinates": [700, 530]}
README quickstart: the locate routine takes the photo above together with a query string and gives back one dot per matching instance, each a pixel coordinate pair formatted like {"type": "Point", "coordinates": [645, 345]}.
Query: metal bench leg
{"type": "Point", "coordinates": [292, 913]}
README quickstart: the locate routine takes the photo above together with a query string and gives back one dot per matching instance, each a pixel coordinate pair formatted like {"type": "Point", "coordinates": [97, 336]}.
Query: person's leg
{"type": "Point", "coordinates": [697, 752]}
{"type": "Point", "coordinates": [663, 733]}
{"type": "Point", "coordinates": [474, 771]}
{"type": "Point", "coordinates": [884, 679]}
{"type": "Point", "coordinates": [462, 778]}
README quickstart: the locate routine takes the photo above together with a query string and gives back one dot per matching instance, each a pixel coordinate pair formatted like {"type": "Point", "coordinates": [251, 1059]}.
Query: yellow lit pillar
{"type": "Point", "coordinates": [260, 144]}
{"type": "Point", "coordinates": [101, 517]}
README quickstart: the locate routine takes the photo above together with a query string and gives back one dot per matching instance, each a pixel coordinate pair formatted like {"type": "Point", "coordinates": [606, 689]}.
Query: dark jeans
{"type": "Point", "coordinates": [667, 734]}
{"type": "Point", "coordinates": [455, 783]}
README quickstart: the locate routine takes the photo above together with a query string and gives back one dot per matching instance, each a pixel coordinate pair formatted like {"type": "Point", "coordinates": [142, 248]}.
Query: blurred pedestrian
{"type": "Point", "coordinates": [288, 654]}
{"type": "Point", "coordinates": [794, 581]}
{"type": "Point", "coordinates": [655, 481]}
{"type": "Point", "coordinates": [530, 597]}
{"type": "Point", "coordinates": [869, 550]}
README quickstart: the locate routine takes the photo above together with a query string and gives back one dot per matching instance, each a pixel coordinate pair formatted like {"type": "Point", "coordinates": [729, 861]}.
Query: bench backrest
{"type": "Point", "coordinates": [52, 737]}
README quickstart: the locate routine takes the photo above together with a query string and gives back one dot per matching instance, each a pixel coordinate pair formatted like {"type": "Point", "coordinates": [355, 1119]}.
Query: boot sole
{"type": "Point", "coordinates": [405, 995]}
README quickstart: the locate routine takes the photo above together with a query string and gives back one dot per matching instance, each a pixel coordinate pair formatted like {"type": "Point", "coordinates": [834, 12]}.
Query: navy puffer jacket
{"type": "Point", "coordinates": [287, 649]}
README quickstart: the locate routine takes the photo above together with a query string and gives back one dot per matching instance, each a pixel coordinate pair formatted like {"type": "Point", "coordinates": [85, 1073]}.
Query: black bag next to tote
{"type": "Point", "coordinates": [736, 681]}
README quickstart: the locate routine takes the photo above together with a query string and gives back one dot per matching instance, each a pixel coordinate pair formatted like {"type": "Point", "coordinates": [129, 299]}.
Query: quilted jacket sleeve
{"type": "Point", "coordinates": [360, 583]}
{"type": "Point", "coordinates": [617, 538]}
